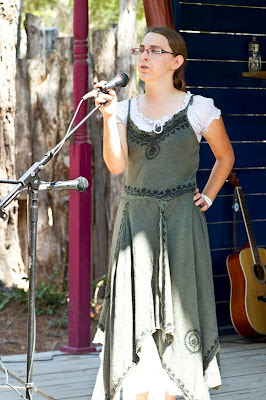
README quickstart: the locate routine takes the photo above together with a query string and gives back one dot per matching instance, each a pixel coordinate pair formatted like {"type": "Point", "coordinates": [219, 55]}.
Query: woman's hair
{"type": "Point", "coordinates": [178, 46]}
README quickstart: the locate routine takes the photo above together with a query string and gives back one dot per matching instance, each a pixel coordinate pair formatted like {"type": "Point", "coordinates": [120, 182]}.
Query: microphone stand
{"type": "Point", "coordinates": [31, 180]}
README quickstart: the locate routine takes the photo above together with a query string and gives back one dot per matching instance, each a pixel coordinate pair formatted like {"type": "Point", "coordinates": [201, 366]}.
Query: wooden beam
{"type": "Point", "coordinates": [80, 203]}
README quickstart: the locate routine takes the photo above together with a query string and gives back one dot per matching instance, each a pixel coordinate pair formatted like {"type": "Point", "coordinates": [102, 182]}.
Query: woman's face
{"type": "Point", "coordinates": [156, 66]}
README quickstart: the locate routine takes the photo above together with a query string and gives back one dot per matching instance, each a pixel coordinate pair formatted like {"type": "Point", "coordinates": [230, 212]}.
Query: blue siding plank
{"type": "Point", "coordinates": [236, 101]}
{"type": "Point", "coordinates": [245, 127]}
{"type": "Point", "coordinates": [203, 176]}
{"type": "Point", "coordinates": [252, 181]}
{"type": "Point", "coordinates": [221, 47]}
{"type": "Point", "coordinates": [208, 18]}
{"type": "Point", "coordinates": [221, 235]}
{"type": "Point", "coordinates": [221, 74]}
{"type": "Point", "coordinates": [221, 288]}
{"type": "Point", "coordinates": [219, 261]}
{"type": "Point", "coordinates": [253, 3]}
{"type": "Point", "coordinates": [246, 155]}
{"type": "Point", "coordinates": [207, 158]}
{"type": "Point", "coordinates": [176, 14]}
{"type": "Point", "coordinates": [223, 314]}
{"type": "Point", "coordinates": [221, 209]}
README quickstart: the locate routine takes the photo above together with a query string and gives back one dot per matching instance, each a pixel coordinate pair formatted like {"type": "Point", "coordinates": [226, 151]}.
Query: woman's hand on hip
{"type": "Point", "coordinates": [200, 201]}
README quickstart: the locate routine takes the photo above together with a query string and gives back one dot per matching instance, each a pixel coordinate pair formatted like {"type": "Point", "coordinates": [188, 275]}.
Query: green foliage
{"type": "Point", "coordinates": [55, 13]}
{"type": "Point", "coordinates": [61, 322]}
{"type": "Point", "coordinates": [9, 295]}
{"type": "Point", "coordinates": [49, 296]}
{"type": "Point", "coordinates": [33, 5]}
{"type": "Point", "coordinates": [102, 14]}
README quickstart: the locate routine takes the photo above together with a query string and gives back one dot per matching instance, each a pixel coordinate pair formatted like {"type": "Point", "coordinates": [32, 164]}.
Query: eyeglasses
{"type": "Point", "coordinates": [151, 50]}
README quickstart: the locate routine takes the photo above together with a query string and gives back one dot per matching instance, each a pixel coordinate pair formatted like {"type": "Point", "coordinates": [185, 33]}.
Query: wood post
{"type": "Point", "coordinates": [80, 203]}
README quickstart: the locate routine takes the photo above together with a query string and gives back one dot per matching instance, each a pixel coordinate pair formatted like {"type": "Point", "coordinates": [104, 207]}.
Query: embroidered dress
{"type": "Point", "coordinates": [159, 306]}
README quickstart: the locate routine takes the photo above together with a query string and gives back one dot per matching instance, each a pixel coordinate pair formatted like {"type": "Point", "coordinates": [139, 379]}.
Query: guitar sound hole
{"type": "Point", "coordinates": [259, 272]}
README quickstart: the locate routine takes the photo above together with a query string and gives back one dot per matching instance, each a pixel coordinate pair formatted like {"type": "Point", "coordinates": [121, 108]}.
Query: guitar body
{"type": "Point", "coordinates": [248, 294]}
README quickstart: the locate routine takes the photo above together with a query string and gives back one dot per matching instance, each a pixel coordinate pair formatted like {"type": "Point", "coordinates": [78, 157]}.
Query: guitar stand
{"type": "Point", "coordinates": [31, 180]}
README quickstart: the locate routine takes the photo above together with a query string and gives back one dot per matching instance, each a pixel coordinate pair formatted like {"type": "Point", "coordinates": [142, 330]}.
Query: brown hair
{"type": "Point", "coordinates": [178, 46]}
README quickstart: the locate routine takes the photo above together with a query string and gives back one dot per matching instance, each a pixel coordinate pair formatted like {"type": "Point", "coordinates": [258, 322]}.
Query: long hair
{"type": "Point", "coordinates": [178, 46]}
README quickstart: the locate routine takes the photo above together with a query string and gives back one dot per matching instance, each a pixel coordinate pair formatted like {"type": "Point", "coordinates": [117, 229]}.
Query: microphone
{"type": "Point", "coordinates": [80, 184]}
{"type": "Point", "coordinates": [120, 79]}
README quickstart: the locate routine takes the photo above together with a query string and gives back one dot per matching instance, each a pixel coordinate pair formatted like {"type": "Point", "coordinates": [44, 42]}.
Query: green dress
{"type": "Point", "coordinates": [160, 274]}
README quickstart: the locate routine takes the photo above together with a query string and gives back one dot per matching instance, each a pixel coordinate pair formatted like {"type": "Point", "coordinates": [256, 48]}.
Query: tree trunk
{"type": "Point", "coordinates": [44, 111]}
{"type": "Point", "coordinates": [126, 40]}
{"type": "Point", "coordinates": [11, 264]}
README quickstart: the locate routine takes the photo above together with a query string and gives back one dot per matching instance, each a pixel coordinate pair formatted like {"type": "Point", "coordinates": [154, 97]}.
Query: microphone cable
{"type": "Point", "coordinates": [62, 142]}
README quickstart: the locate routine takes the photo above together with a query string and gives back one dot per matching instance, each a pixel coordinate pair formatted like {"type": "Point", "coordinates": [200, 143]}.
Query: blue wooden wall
{"type": "Point", "coordinates": [217, 33]}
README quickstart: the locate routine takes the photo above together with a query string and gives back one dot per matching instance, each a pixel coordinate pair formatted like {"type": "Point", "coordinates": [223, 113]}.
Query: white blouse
{"type": "Point", "coordinates": [201, 113]}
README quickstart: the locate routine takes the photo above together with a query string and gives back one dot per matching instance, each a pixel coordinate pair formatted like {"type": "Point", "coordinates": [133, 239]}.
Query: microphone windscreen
{"type": "Point", "coordinates": [83, 184]}
{"type": "Point", "coordinates": [124, 79]}
{"type": "Point", "coordinates": [121, 79]}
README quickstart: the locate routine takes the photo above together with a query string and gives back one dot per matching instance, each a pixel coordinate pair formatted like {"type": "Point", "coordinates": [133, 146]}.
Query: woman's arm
{"type": "Point", "coordinates": [115, 150]}
{"type": "Point", "coordinates": [224, 154]}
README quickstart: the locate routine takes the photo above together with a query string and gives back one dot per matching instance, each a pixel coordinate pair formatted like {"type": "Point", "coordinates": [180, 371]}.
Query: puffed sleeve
{"type": "Point", "coordinates": [201, 113]}
{"type": "Point", "coordinates": [121, 112]}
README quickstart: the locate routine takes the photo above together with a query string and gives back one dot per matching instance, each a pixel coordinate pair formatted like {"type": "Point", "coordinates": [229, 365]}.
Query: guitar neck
{"type": "Point", "coordinates": [250, 234]}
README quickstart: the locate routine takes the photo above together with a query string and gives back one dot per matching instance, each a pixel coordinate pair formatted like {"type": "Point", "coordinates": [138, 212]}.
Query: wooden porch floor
{"type": "Point", "coordinates": [72, 377]}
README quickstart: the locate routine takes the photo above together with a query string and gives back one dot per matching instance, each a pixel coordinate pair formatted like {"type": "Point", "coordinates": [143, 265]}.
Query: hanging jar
{"type": "Point", "coordinates": [254, 59]}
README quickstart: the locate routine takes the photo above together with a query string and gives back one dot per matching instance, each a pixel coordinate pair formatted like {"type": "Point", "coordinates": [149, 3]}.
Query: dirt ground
{"type": "Point", "coordinates": [50, 333]}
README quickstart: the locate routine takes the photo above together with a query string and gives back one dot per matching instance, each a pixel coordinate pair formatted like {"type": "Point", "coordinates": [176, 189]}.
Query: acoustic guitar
{"type": "Point", "coordinates": [247, 273]}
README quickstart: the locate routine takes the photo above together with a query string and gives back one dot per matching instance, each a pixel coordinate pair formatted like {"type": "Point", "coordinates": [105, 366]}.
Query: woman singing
{"type": "Point", "coordinates": [158, 322]}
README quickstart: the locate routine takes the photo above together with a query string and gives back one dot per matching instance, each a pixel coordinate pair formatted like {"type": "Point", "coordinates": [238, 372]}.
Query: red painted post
{"type": "Point", "coordinates": [80, 203]}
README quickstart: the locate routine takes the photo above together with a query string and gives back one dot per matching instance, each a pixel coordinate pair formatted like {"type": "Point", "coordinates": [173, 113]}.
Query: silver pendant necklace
{"type": "Point", "coordinates": [156, 126]}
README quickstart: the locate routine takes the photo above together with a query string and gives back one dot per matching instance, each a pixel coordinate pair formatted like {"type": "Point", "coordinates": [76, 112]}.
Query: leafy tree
{"type": "Point", "coordinates": [35, 5]}
{"type": "Point", "coordinates": [57, 13]}
{"type": "Point", "coordinates": [103, 14]}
